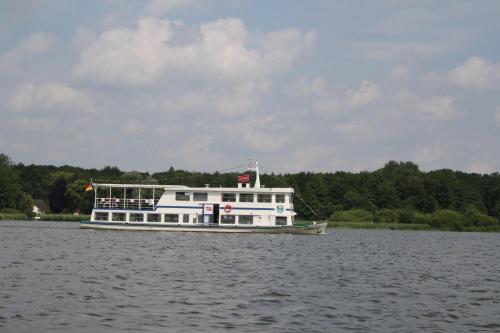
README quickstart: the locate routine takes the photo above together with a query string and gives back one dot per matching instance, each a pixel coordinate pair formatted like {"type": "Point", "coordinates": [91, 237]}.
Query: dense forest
{"type": "Point", "coordinates": [399, 192]}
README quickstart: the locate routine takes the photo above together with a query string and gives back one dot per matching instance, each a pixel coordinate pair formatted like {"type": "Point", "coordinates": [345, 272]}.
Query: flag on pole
{"type": "Point", "coordinates": [89, 187]}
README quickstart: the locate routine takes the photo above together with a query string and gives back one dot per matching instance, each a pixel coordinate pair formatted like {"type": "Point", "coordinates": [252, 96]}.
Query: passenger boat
{"type": "Point", "coordinates": [242, 209]}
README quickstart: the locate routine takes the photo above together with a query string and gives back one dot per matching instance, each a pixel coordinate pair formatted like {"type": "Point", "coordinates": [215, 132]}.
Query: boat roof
{"type": "Point", "coordinates": [201, 189]}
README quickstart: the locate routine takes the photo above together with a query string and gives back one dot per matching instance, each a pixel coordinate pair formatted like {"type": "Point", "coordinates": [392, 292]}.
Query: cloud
{"type": "Point", "coordinates": [127, 56]}
{"type": "Point", "coordinates": [325, 100]}
{"type": "Point", "coordinates": [238, 100]}
{"type": "Point", "coordinates": [132, 127]}
{"type": "Point", "coordinates": [146, 53]}
{"type": "Point", "coordinates": [400, 73]}
{"type": "Point", "coordinates": [481, 167]}
{"type": "Point", "coordinates": [355, 130]}
{"type": "Point", "coordinates": [48, 97]}
{"type": "Point", "coordinates": [34, 44]}
{"type": "Point", "coordinates": [430, 154]}
{"type": "Point", "coordinates": [439, 107]}
{"type": "Point", "coordinates": [257, 134]}
{"type": "Point", "coordinates": [497, 116]}
{"type": "Point", "coordinates": [160, 7]}
{"type": "Point", "coordinates": [384, 51]}
{"type": "Point", "coordinates": [367, 93]}
{"type": "Point", "coordinates": [476, 72]}
{"type": "Point", "coordinates": [310, 88]}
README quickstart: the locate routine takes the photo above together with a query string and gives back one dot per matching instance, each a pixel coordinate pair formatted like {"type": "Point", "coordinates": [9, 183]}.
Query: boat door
{"type": "Point", "coordinates": [215, 218]}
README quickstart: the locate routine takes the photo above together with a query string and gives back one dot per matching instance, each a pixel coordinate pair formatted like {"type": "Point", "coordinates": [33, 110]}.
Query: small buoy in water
{"type": "Point", "coordinates": [314, 222]}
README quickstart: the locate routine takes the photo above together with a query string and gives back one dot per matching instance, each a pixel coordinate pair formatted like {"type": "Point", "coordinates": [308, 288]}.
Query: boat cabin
{"type": "Point", "coordinates": [243, 206]}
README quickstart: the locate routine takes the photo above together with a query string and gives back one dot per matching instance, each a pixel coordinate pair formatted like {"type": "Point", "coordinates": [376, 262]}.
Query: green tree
{"type": "Point", "coordinates": [352, 215]}
{"type": "Point", "coordinates": [387, 196]}
{"type": "Point", "coordinates": [386, 216]}
{"type": "Point", "coordinates": [57, 195]}
{"type": "Point", "coordinates": [77, 198]}
{"type": "Point", "coordinates": [11, 195]}
{"type": "Point", "coordinates": [448, 219]}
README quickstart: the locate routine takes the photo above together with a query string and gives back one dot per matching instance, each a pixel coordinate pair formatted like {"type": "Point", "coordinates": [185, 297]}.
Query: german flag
{"type": "Point", "coordinates": [89, 187]}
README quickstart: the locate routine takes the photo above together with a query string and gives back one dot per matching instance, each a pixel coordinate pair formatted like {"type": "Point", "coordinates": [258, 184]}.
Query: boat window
{"type": "Point", "coordinates": [245, 219]}
{"type": "Point", "coordinates": [118, 217]}
{"type": "Point", "coordinates": [99, 216]}
{"type": "Point", "coordinates": [229, 197]}
{"type": "Point", "coordinates": [136, 217]}
{"type": "Point", "coordinates": [264, 197]}
{"type": "Point", "coordinates": [172, 218]}
{"type": "Point", "coordinates": [185, 218]}
{"type": "Point", "coordinates": [246, 197]}
{"type": "Point", "coordinates": [200, 196]}
{"type": "Point", "coordinates": [227, 219]}
{"type": "Point", "coordinates": [153, 217]}
{"type": "Point", "coordinates": [182, 196]}
{"type": "Point", "coordinates": [280, 198]}
{"type": "Point", "coordinates": [280, 220]}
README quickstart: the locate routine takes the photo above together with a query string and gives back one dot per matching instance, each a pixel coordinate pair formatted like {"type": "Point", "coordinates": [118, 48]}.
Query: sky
{"type": "Point", "coordinates": [209, 84]}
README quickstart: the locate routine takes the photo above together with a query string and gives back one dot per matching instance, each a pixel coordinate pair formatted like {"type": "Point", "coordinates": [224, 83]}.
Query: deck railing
{"type": "Point", "coordinates": [116, 203]}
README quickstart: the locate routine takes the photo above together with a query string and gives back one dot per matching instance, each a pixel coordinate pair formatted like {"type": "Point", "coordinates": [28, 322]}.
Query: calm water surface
{"type": "Point", "coordinates": [56, 277]}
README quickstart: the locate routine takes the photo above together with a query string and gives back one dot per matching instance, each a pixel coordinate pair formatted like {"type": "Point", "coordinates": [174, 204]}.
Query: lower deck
{"type": "Point", "coordinates": [188, 219]}
{"type": "Point", "coordinates": [205, 227]}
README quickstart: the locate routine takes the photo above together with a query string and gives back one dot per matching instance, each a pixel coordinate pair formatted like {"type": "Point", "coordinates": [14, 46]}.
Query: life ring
{"type": "Point", "coordinates": [228, 208]}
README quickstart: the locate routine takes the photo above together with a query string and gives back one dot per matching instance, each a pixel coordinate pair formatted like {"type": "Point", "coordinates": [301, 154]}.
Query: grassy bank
{"type": "Point", "coordinates": [13, 217]}
{"type": "Point", "coordinates": [45, 217]}
{"type": "Point", "coordinates": [402, 226]}
{"type": "Point", "coordinates": [369, 225]}
{"type": "Point", "coordinates": [64, 217]}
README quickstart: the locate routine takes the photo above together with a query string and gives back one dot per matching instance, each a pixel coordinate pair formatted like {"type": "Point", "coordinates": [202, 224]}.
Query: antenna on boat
{"type": "Point", "coordinates": [256, 169]}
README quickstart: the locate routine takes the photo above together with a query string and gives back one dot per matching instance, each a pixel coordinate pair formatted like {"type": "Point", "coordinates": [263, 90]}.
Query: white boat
{"type": "Point", "coordinates": [242, 209]}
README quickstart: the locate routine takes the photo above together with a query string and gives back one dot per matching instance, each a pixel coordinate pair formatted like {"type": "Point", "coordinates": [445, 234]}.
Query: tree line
{"type": "Point", "coordinates": [398, 192]}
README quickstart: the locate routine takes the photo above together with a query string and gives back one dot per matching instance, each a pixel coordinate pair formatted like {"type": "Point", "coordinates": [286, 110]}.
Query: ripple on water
{"type": "Point", "coordinates": [59, 277]}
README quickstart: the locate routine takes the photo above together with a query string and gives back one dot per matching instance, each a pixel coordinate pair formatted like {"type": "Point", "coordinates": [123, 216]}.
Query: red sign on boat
{"type": "Point", "coordinates": [244, 178]}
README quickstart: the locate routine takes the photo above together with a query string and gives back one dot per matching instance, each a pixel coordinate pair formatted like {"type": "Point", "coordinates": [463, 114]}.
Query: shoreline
{"type": "Point", "coordinates": [331, 224]}
{"type": "Point", "coordinates": [404, 226]}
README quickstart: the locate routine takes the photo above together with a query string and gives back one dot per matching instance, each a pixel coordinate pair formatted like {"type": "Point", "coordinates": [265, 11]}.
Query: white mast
{"type": "Point", "coordinates": [257, 177]}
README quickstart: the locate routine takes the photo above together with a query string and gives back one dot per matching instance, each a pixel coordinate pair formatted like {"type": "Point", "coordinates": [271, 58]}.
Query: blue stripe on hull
{"type": "Point", "coordinates": [176, 225]}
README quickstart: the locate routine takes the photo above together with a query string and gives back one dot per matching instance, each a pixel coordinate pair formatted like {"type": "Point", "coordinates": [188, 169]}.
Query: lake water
{"type": "Point", "coordinates": [56, 277]}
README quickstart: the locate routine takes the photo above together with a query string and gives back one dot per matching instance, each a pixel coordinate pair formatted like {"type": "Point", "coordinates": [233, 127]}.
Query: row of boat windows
{"type": "Point", "coordinates": [231, 197]}
{"type": "Point", "coordinates": [177, 218]}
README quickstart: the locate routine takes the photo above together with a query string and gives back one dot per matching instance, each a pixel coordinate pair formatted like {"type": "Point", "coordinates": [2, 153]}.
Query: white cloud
{"type": "Point", "coordinates": [400, 73]}
{"type": "Point", "coordinates": [254, 133]}
{"type": "Point", "coordinates": [241, 99]}
{"type": "Point", "coordinates": [127, 56]}
{"type": "Point", "coordinates": [475, 73]}
{"type": "Point", "coordinates": [355, 130]}
{"type": "Point", "coordinates": [497, 116]}
{"type": "Point", "coordinates": [34, 44]}
{"type": "Point", "coordinates": [440, 107]}
{"type": "Point", "coordinates": [34, 124]}
{"type": "Point", "coordinates": [430, 154]}
{"type": "Point", "coordinates": [481, 167]}
{"type": "Point", "coordinates": [324, 100]}
{"type": "Point", "coordinates": [160, 7]}
{"type": "Point", "coordinates": [48, 97]}
{"type": "Point", "coordinates": [382, 51]}
{"type": "Point", "coordinates": [307, 88]}
{"type": "Point", "coordinates": [132, 127]}
{"type": "Point", "coordinates": [367, 93]}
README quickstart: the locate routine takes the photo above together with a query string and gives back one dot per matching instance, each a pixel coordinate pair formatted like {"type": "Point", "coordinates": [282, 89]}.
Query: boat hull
{"type": "Point", "coordinates": [312, 229]}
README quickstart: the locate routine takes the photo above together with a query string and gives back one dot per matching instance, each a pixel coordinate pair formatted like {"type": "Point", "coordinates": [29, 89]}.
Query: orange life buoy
{"type": "Point", "coordinates": [228, 208]}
